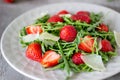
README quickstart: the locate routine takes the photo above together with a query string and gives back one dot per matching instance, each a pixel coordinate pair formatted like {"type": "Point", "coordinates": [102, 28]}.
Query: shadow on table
{"type": "Point", "coordinates": [114, 8]}
{"type": "Point", "coordinates": [115, 77]}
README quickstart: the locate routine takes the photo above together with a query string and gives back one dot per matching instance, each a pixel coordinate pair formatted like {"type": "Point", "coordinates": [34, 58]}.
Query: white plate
{"type": "Point", "coordinates": [15, 56]}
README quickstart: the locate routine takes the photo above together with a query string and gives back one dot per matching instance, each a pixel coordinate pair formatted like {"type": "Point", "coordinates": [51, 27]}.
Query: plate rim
{"type": "Point", "coordinates": [9, 25]}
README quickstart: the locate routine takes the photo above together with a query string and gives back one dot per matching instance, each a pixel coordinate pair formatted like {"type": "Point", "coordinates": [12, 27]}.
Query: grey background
{"type": "Point", "coordinates": [9, 12]}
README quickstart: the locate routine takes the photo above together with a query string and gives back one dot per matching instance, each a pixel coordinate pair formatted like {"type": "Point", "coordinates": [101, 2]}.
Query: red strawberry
{"type": "Point", "coordinates": [68, 33]}
{"type": "Point", "coordinates": [83, 13]}
{"type": "Point", "coordinates": [34, 52]}
{"type": "Point", "coordinates": [106, 46]}
{"type": "Point", "coordinates": [33, 29]}
{"type": "Point", "coordinates": [9, 1]}
{"type": "Point", "coordinates": [76, 58]}
{"type": "Point", "coordinates": [82, 18]}
{"type": "Point", "coordinates": [50, 58]}
{"type": "Point", "coordinates": [103, 27]}
{"type": "Point", "coordinates": [86, 44]}
{"type": "Point", "coordinates": [55, 18]}
{"type": "Point", "coordinates": [63, 12]}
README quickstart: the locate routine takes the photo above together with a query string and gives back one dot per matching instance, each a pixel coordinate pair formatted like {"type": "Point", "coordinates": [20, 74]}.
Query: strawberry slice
{"type": "Point", "coordinates": [33, 29]}
{"type": "Point", "coordinates": [106, 46]}
{"type": "Point", "coordinates": [103, 27]}
{"type": "Point", "coordinates": [86, 44]}
{"type": "Point", "coordinates": [34, 52]}
{"type": "Point", "coordinates": [83, 13]}
{"type": "Point", "coordinates": [82, 18]}
{"type": "Point", "coordinates": [68, 33]}
{"type": "Point", "coordinates": [76, 58]}
{"type": "Point", "coordinates": [55, 18]}
{"type": "Point", "coordinates": [50, 58]}
{"type": "Point", "coordinates": [63, 12]}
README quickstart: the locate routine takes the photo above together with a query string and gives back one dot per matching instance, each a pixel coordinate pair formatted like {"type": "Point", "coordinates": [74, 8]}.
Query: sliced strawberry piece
{"type": "Point", "coordinates": [76, 58]}
{"type": "Point", "coordinates": [9, 1]}
{"type": "Point", "coordinates": [55, 18]}
{"type": "Point", "coordinates": [33, 29]}
{"type": "Point", "coordinates": [63, 12]}
{"type": "Point", "coordinates": [34, 52]}
{"type": "Point", "coordinates": [68, 33]}
{"type": "Point", "coordinates": [82, 18]}
{"type": "Point", "coordinates": [83, 13]}
{"type": "Point", "coordinates": [87, 44]}
{"type": "Point", "coordinates": [85, 47]}
{"type": "Point", "coordinates": [50, 58]}
{"type": "Point", "coordinates": [103, 27]}
{"type": "Point", "coordinates": [106, 46]}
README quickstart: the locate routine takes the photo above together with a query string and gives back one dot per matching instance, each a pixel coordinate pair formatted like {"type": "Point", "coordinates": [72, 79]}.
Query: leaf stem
{"type": "Point", "coordinates": [67, 67]}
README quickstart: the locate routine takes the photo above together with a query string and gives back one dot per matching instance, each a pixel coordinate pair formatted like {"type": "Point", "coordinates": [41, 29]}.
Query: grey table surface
{"type": "Point", "coordinates": [9, 12]}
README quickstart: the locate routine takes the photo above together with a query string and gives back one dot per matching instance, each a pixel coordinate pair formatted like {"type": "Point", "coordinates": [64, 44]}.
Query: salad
{"type": "Point", "coordinates": [74, 42]}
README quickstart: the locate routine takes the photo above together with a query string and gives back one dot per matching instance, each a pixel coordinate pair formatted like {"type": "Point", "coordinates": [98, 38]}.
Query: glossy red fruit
{"type": "Point", "coordinates": [68, 33]}
{"type": "Point", "coordinates": [33, 29]}
{"type": "Point", "coordinates": [34, 52]}
{"type": "Point", "coordinates": [55, 18]}
{"type": "Point", "coordinates": [76, 58]}
{"type": "Point", "coordinates": [9, 1]}
{"type": "Point", "coordinates": [50, 58]}
{"type": "Point", "coordinates": [103, 27]}
{"type": "Point", "coordinates": [83, 13]}
{"type": "Point", "coordinates": [82, 18]}
{"type": "Point", "coordinates": [63, 12]}
{"type": "Point", "coordinates": [106, 46]}
{"type": "Point", "coordinates": [86, 44]}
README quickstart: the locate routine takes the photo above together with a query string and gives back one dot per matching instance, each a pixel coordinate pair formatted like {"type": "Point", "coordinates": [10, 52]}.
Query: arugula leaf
{"type": "Point", "coordinates": [74, 67]}
{"type": "Point", "coordinates": [59, 66]}
{"type": "Point", "coordinates": [42, 19]}
{"type": "Point", "coordinates": [67, 67]}
{"type": "Point", "coordinates": [22, 32]}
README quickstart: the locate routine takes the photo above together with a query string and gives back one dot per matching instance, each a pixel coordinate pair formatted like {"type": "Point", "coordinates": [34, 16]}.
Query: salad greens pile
{"type": "Point", "coordinates": [67, 49]}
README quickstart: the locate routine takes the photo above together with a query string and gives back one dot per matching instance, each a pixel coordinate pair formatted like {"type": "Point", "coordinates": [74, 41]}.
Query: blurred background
{"type": "Point", "coordinates": [10, 9]}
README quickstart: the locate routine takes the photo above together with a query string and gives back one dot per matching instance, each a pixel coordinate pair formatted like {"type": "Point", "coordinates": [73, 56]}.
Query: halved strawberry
{"type": "Point", "coordinates": [82, 18]}
{"type": "Point", "coordinates": [103, 27]}
{"type": "Point", "coordinates": [106, 46]}
{"type": "Point", "coordinates": [68, 33]}
{"type": "Point", "coordinates": [86, 44]}
{"type": "Point", "coordinates": [50, 58]}
{"type": "Point", "coordinates": [76, 58]}
{"type": "Point", "coordinates": [83, 13]}
{"type": "Point", "coordinates": [34, 52]}
{"type": "Point", "coordinates": [63, 12]}
{"type": "Point", "coordinates": [55, 18]}
{"type": "Point", "coordinates": [33, 29]}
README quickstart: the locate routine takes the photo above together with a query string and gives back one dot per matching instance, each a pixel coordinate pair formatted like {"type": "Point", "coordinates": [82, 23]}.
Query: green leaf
{"type": "Point", "coordinates": [43, 47]}
{"type": "Point", "coordinates": [67, 67]}
{"type": "Point", "coordinates": [67, 20]}
{"type": "Point", "coordinates": [59, 66]}
{"type": "Point", "coordinates": [42, 19]}
{"type": "Point", "coordinates": [22, 32]}
{"type": "Point", "coordinates": [74, 67]}
{"type": "Point", "coordinates": [94, 25]}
